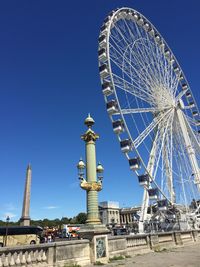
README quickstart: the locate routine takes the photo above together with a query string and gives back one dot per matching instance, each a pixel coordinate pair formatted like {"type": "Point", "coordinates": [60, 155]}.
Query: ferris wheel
{"type": "Point", "coordinates": [152, 110]}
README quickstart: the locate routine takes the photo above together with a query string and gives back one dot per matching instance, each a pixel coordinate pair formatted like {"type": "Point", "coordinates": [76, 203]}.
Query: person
{"type": "Point", "coordinates": [49, 238]}
{"type": "Point", "coordinates": [69, 236]}
{"type": "Point", "coordinates": [53, 237]}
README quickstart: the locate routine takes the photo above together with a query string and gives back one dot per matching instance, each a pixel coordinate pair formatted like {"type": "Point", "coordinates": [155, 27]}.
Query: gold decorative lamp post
{"type": "Point", "coordinates": [94, 175]}
{"type": "Point", "coordinates": [91, 176]}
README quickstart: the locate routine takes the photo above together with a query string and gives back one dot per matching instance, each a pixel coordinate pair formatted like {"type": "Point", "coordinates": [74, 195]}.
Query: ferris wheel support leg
{"type": "Point", "coordinates": [198, 186]}
{"type": "Point", "coordinates": [169, 177]}
{"type": "Point", "coordinates": [145, 202]}
{"type": "Point", "coordinates": [189, 148]}
{"type": "Point", "coordinates": [143, 215]}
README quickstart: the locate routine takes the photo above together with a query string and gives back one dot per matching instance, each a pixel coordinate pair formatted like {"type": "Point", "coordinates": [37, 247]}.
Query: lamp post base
{"type": "Point", "coordinates": [98, 237]}
{"type": "Point", "coordinates": [93, 222]}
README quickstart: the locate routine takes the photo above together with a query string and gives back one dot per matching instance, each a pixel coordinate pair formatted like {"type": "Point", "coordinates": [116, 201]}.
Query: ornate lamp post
{"type": "Point", "coordinates": [91, 176]}
{"type": "Point", "coordinates": [7, 222]}
{"type": "Point", "coordinates": [94, 175]}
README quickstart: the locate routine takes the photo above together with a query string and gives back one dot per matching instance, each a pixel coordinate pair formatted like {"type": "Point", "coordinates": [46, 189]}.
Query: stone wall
{"type": "Point", "coordinates": [140, 244]}
{"type": "Point", "coordinates": [49, 254]}
{"type": "Point", "coordinates": [79, 251]}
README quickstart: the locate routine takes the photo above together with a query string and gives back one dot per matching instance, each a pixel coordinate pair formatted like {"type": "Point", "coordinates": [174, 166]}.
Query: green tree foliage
{"type": "Point", "coordinates": [79, 219]}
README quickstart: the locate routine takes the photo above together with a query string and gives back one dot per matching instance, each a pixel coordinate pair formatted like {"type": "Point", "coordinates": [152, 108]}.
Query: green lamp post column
{"type": "Point", "coordinates": [91, 184]}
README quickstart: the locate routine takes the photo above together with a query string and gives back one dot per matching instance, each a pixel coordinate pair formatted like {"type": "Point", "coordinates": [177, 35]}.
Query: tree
{"type": "Point", "coordinates": [81, 218]}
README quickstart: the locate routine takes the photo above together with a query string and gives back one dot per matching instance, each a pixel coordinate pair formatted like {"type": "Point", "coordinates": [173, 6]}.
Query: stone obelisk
{"type": "Point", "coordinates": [25, 219]}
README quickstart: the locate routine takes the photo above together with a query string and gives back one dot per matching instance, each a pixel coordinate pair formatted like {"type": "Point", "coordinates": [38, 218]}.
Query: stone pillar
{"type": "Point", "coordinates": [195, 235]}
{"type": "Point", "coordinates": [92, 195]}
{"type": "Point", "coordinates": [25, 219]}
{"type": "Point", "coordinates": [154, 241]}
{"type": "Point", "coordinates": [177, 238]}
{"type": "Point", "coordinates": [126, 218]}
{"type": "Point", "coordinates": [122, 218]}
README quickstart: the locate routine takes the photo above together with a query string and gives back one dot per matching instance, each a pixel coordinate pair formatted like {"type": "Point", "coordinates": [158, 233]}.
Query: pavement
{"type": "Point", "coordinates": [187, 256]}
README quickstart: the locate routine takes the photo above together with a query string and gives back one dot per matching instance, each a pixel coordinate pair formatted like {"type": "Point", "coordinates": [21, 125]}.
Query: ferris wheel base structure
{"type": "Point", "coordinates": [154, 116]}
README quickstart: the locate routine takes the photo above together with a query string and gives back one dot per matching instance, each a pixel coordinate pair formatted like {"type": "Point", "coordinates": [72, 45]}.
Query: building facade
{"type": "Point", "coordinates": [109, 213]}
{"type": "Point", "coordinates": [128, 216]}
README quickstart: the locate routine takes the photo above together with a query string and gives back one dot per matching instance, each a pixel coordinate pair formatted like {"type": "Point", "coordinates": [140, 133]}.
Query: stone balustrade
{"type": "Point", "coordinates": [135, 240]}
{"type": "Point", "coordinates": [137, 244]}
{"type": "Point", "coordinates": [48, 254]}
{"type": "Point", "coordinates": [79, 251]}
{"type": "Point", "coordinates": [21, 256]}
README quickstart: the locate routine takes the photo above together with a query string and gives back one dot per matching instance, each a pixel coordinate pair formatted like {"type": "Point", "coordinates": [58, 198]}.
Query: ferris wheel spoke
{"type": "Point", "coordinates": [189, 147]}
{"type": "Point", "coordinates": [145, 58]}
{"type": "Point", "coordinates": [152, 166]}
{"type": "Point", "coordinates": [163, 128]}
{"type": "Point", "coordinates": [179, 96]}
{"type": "Point", "coordinates": [192, 135]}
{"type": "Point", "coordinates": [181, 155]}
{"type": "Point", "coordinates": [156, 57]}
{"type": "Point", "coordinates": [144, 70]}
{"type": "Point", "coordinates": [131, 72]}
{"type": "Point", "coordinates": [125, 64]}
{"type": "Point", "coordinates": [136, 91]}
{"type": "Point", "coordinates": [168, 78]}
{"type": "Point", "coordinates": [139, 110]}
{"type": "Point", "coordinates": [183, 168]}
{"type": "Point", "coordinates": [149, 129]}
{"type": "Point", "coordinates": [167, 161]}
{"type": "Point", "coordinates": [145, 89]}
{"type": "Point", "coordinates": [190, 120]}
{"type": "Point", "coordinates": [154, 151]}
{"type": "Point", "coordinates": [149, 47]}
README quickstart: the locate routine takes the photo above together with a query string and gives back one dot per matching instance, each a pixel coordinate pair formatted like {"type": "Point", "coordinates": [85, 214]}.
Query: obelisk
{"type": "Point", "coordinates": [25, 219]}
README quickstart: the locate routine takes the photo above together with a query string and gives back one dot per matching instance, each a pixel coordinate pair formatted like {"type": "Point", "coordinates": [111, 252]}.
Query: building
{"type": "Point", "coordinates": [109, 213]}
{"type": "Point", "coordinates": [128, 216]}
{"type": "Point", "coordinates": [112, 215]}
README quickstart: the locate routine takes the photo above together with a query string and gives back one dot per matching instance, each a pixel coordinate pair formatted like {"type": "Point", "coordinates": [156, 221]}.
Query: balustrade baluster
{"type": "Point", "coordinates": [17, 261]}
{"type": "Point", "coordinates": [39, 256]}
{"type": "Point", "coordinates": [12, 261]}
{"type": "Point", "coordinates": [33, 257]}
{"type": "Point", "coordinates": [6, 263]}
{"type": "Point", "coordinates": [28, 260]}
{"type": "Point", "coordinates": [23, 260]}
{"type": "Point", "coordinates": [44, 257]}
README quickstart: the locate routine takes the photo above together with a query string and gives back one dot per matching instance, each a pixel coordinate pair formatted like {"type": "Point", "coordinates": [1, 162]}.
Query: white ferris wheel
{"type": "Point", "coordinates": [152, 109]}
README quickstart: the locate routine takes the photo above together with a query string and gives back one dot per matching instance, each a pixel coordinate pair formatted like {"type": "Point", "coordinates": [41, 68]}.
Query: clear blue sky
{"type": "Point", "coordinates": [49, 81]}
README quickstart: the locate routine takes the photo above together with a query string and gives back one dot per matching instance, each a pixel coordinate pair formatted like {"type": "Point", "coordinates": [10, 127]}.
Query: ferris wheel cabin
{"type": "Point", "coordinates": [102, 41]}
{"type": "Point", "coordinates": [112, 107]}
{"type": "Point", "coordinates": [104, 72]}
{"type": "Point", "coordinates": [162, 204]}
{"type": "Point", "coordinates": [118, 126]}
{"type": "Point", "coordinates": [143, 179]}
{"type": "Point", "coordinates": [134, 164]}
{"type": "Point", "coordinates": [107, 88]}
{"type": "Point", "coordinates": [184, 86]}
{"type": "Point", "coordinates": [102, 54]}
{"type": "Point", "coordinates": [125, 145]}
{"type": "Point", "coordinates": [153, 193]}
